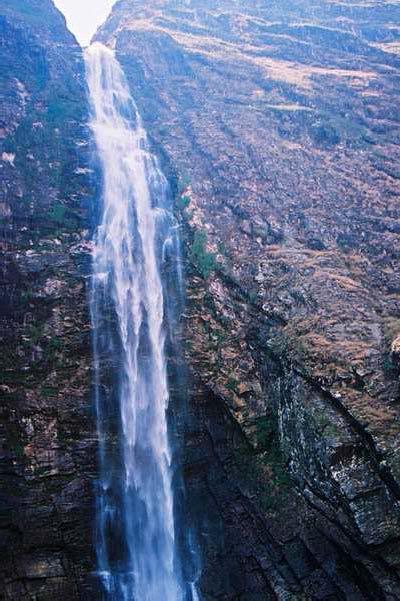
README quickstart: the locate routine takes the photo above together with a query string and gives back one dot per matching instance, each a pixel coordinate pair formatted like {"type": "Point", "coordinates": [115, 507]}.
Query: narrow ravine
{"type": "Point", "coordinates": [138, 554]}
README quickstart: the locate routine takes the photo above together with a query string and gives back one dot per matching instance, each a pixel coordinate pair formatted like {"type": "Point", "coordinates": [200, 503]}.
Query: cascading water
{"type": "Point", "coordinates": [137, 549]}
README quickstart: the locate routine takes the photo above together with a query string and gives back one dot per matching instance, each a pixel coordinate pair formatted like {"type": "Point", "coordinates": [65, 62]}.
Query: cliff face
{"type": "Point", "coordinates": [277, 123]}
{"type": "Point", "coordinates": [47, 439]}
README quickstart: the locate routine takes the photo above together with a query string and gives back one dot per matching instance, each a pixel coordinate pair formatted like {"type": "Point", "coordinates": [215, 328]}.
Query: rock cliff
{"type": "Point", "coordinates": [47, 432]}
{"type": "Point", "coordinates": [278, 127]}
{"type": "Point", "coordinates": [277, 123]}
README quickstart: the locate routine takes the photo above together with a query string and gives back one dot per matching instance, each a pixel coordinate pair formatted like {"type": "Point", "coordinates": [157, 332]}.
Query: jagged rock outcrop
{"type": "Point", "coordinates": [47, 430]}
{"type": "Point", "coordinates": [277, 123]}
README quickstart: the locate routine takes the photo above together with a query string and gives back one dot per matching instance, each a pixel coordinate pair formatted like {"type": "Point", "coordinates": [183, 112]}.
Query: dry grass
{"type": "Point", "coordinates": [288, 107]}
{"type": "Point", "coordinates": [296, 74]}
{"type": "Point", "coordinates": [391, 47]}
{"type": "Point", "coordinates": [391, 329]}
{"type": "Point", "coordinates": [344, 282]}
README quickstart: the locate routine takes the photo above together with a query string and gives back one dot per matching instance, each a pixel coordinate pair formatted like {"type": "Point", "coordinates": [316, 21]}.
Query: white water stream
{"type": "Point", "coordinates": [136, 535]}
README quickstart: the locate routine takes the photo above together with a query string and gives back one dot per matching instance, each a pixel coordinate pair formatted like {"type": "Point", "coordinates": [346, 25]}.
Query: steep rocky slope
{"type": "Point", "coordinates": [278, 124]}
{"type": "Point", "coordinates": [47, 439]}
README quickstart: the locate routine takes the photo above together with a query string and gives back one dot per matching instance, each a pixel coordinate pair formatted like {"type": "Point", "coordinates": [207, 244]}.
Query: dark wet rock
{"type": "Point", "coordinates": [47, 437]}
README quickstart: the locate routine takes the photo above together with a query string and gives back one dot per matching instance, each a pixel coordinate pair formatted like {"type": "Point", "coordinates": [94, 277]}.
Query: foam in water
{"type": "Point", "coordinates": [136, 535]}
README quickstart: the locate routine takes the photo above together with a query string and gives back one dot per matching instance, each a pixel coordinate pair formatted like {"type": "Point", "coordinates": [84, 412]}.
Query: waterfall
{"type": "Point", "coordinates": [136, 539]}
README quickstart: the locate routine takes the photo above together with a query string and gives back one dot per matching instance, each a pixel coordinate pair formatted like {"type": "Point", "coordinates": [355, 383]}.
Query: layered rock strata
{"type": "Point", "coordinates": [278, 125]}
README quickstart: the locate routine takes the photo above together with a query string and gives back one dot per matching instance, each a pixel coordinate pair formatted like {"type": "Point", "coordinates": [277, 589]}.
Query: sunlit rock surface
{"type": "Point", "coordinates": [278, 123]}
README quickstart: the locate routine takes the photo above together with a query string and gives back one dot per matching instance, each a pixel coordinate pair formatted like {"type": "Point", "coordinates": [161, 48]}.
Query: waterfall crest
{"type": "Point", "coordinates": [136, 534]}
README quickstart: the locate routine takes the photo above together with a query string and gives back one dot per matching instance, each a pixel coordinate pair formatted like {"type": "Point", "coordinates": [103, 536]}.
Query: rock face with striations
{"type": "Point", "coordinates": [47, 432]}
{"type": "Point", "coordinates": [277, 123]}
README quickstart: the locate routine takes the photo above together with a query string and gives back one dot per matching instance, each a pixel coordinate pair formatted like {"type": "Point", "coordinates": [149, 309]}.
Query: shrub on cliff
{"type": "Point", "coordinates": [200, 257]}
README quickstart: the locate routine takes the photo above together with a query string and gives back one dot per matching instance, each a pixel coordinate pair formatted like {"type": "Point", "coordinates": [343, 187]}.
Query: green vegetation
{"type": "Point", "coordinates": [325, 134]}
{"type": "Point", "coordinates": [57, 213]}
{"type": "Point", "coordinates": [219, 336]}
{"type": "Point", "coordinates": [265, 432]}
{"type": "Point", "coordinates": [232, 384]}
{"type": "Point", "coordinates": [252, 296]}
{"type": "Point", "coordinates": [57, 112]}
{"type": "Point", "coordinates": [332, 129]}
{"type": "Point", "coordinates": [183, 202]}
{"type": "Point", "coordinates": [200, 257]}
{"type": "Point", "coordinates": [62, 218]}
{"type": "Point", "coordinates": [55, 344]}
{"type": "Point", "coordinates": [183, 183]}
{"type": "Point", "coordinates": [35, 333]}
{"type": "Point", "coordinates": [26, 297]}
{"type": "Point", "coordinates": [264, 469]}
{"type": "Point", "coordinates": [13, 440]}
{"type": "Point", "coordinates": [222, 248]}
{"type": "Point", "coordinates": [325, 426]}
{"type": "Point", "coordinates": [388, 365]}
{"type": "Point", "coordinates": [49, 391]}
